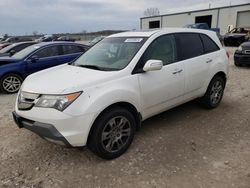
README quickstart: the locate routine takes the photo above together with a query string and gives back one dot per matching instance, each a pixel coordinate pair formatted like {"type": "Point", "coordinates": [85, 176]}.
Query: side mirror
{"type": "Point", "coordinates": [33, 58]}
{"type": "Point", "coordinates": [153, 65]}
{"type": "Point", "coordinates": [12, 52]}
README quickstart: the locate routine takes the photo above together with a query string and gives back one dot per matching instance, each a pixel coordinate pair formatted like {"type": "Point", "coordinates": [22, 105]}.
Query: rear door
{"type": "Point", "coordinates": [43, 58]}
{"type": "Point", "coordinates": [196, 65]}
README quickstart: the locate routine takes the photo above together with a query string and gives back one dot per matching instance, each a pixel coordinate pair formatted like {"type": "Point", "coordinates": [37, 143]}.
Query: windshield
{"type": "Point", "coordinates": [25, 52]}
{"type": "Point", "coordinates": [111, 53]}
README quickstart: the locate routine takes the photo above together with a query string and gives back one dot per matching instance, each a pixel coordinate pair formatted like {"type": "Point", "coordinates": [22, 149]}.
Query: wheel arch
{"type": "Point", "coordinates": [128, 106]}
{"type": "Point", "coordinates": [222, 75]}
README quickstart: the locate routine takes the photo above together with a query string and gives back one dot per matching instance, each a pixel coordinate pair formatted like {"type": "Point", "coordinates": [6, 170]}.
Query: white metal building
{"type": "Point", "coordinates": [224, 18]}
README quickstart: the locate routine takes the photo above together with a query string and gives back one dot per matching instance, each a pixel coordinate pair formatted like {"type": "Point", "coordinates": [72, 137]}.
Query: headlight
{"type": "Point", "coordinates": [59, 102]}
{"type": "Point", "coordinates": [240, 48]}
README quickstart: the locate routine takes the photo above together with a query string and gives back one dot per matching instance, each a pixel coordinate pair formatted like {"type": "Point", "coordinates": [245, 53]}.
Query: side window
{"type": "Point", "coordinates": [189, 45]}
{"type": "Point", "coordinates": [163, 48]}
{"type": "Point", "coordinates": [71, 49]}
{"type": "Point", "coordinates": [48, 52]}
{"type": "Point", "coordinates": [209, 44]}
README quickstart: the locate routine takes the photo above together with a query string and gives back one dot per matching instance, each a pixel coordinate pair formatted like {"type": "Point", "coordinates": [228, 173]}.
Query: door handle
{"type": "Point", "coordinates": [177, 71]}
{"type": "Point", "coordinates": [209, 60]}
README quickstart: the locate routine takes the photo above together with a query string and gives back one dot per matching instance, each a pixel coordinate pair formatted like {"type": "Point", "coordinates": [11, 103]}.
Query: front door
{"type": "Point", "coordinates": [161, 89]}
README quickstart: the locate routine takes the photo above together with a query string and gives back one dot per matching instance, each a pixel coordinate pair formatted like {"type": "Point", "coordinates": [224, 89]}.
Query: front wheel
{"type": "Point", "coordinates": [112, 133]}
{"type": "Point", "coordinates": [214, 93]}
{"type": "Point", "coordinates": [10, 83]}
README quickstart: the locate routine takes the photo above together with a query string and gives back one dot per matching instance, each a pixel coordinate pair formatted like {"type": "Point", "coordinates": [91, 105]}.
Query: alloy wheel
{"type": "Point", "coordinates": [116, 134]}
{"type": "Point", "coordinates": [11, 84]}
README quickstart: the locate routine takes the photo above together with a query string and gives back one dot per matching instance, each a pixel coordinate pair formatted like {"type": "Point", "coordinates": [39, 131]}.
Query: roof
{"type": "Point", "coordinates": [142, 33]}
{"type": "Point", "coordinates": [191, 11]}
{"type": "Point", "coordinates": [148, 33]}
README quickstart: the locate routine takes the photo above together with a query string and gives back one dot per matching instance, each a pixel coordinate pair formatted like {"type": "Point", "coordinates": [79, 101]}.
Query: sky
{"type": "Point", "coordinates": [20, 17]}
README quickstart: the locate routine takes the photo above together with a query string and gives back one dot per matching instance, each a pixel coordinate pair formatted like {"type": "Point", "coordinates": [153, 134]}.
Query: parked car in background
{"type": "Point", "coordinates": [237, 36]}
{"type": "Point", "coordinates": [3, 45]}
{"type": "Point", "coordinates": [46, 38]}
{"type": "Point", "coordinates": [242, 54]}
{"type": "Point", "coordinates": [34, 58]}
{"type": "Point", "coordinates": [65, 38]}
{"type": "Point", "coordinates": [16, 39]}
{"type": "Point", "coordinates": [96, 40]}
{"type": "Point", "coordinates": [14, 48]}
{"type": "Point", "coordinates": [100, 99]}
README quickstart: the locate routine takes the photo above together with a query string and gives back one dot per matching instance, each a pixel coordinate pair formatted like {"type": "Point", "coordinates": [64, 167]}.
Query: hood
{"type": "Point", "coordinates": [7, 60]}
{"type": "Point", "coordinates": [65, 79]}
{"type": "Point", "coordinates": [246, 45]}
{"type": "Point", "coordinates": [4, 54]}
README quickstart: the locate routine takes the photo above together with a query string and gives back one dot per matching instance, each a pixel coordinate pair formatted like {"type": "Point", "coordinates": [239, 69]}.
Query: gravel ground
{"type": "Point", "coordinates": [187, 146]}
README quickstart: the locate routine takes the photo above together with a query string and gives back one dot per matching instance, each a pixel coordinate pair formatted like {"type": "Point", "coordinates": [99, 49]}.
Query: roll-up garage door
{"type": "Point", "coordinates": [243, 19]}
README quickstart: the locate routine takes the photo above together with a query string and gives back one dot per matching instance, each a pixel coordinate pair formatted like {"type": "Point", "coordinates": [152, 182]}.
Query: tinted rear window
{"type": "Point", "coordinates": [209, 44]}
{"type": "Point", "coordinates": [189, 45]}
{"type": "Point", "coordinates": [71, 49]}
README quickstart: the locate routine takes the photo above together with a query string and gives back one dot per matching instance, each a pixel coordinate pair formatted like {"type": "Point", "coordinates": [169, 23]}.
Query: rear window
{"type": "Point", "coordinates": [71, 49]}
{"type": "Point", "coordinates": [189, 45]}
{"type": "Point", "coordinates": [209, 44]}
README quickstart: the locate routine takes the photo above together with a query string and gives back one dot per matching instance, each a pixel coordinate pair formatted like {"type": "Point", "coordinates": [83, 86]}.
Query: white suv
{"type": "Point", "coordinates": [100, 99]}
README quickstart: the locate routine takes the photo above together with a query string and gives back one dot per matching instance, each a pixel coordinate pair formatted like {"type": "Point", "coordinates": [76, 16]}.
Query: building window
{"type": "Point", "coordinates": [154, 24]}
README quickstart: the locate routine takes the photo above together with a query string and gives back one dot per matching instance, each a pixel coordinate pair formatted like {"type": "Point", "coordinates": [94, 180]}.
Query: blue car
{"type": "Point", "coordinates": [13, 70]}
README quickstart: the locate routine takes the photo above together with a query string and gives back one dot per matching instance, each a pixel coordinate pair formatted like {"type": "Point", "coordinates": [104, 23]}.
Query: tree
{"type": "Point", "coordinates": [35, 33]}
{"type": "Point", "coordinates": [6, 36]}
{"type": "Point", "coordinates": [151, 12]}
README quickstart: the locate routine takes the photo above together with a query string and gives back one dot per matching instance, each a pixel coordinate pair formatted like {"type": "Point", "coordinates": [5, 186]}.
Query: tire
{"type": "Point", "coordinates": [10, 83]}
{"type": "Point", "coordinates": [106, 139]}
{"type": "Point", "coordinates": [237, 64]}
{"type": "Point", "coordinates": [214, 93]}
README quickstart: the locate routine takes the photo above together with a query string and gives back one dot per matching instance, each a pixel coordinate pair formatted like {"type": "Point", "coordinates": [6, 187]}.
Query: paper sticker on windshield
{"type": "Point", "coordinates": [134, 40]}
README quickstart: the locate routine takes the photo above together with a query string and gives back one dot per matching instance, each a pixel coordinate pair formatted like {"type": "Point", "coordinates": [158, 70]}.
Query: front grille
{"type": "Point", "coordinates": [27, 100]}
{"type": "Point", "coordinates": [247, 51]}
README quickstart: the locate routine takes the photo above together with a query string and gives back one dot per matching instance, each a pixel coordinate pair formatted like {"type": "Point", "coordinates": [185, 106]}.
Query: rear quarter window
{"type": "Point", "coordinates": [189, 45]}
{"type": "Point", "coordinates": [209, 44]}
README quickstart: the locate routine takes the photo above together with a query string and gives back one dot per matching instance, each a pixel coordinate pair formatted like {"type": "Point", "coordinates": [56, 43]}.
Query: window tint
{"type": "Point", "coordinates": [163, 48]}
{"type": "Point", "coordinates": [71, 49]}
{"type": "Point", "coordinates": [209, 44]}
{"type": "Point", "coordinates": [47, 52]}
{"type": "Point", "coordinates": [190, 45]}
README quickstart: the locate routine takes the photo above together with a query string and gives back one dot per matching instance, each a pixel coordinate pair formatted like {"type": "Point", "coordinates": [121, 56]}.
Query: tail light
{"type": "Point", "coordinates": [228, 55]}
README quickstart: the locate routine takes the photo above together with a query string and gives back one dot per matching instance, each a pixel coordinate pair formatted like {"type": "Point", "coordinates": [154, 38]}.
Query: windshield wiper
{"type": "Point", "coordinates": [91, 67]}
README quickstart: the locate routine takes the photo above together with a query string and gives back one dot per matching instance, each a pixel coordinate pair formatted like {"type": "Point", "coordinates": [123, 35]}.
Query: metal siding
{"type": "Point", "coordinates": [243, 19]}
{"type": "Point", "coordinates": [221, 17]}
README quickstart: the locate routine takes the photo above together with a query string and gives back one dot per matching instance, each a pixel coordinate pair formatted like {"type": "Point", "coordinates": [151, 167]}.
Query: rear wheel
{"type": "Point", "coordinates": [10, 83]}
{"type": "Point", "coordinates": [112, 133]}
{"type": "Point", "coordinates": [214, 93]}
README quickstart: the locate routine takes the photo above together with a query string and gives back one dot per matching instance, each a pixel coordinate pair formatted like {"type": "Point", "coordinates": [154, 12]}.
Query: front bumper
{"type": "Point", "coordinates": [46, 131]}
{"type": "Point", "coordinates": [242, 58]}
{"type": "Point", "coordinates": [56, 126]}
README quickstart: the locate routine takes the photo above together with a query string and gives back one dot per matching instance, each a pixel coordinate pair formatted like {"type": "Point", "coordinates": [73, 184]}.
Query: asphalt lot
{"type": "Point", "coordinates": [187, 146]}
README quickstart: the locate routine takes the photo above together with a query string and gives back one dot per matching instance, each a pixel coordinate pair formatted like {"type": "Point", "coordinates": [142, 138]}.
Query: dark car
{"type": "Point", "coordinates": [34, 58]}
{"type": "Point", "coordinates": [237, 36]}
{"type": "Point", "coordinates": [65, 38]}
{"type": "Point", "coordinates": [242, 54]}
{"type": "Point", "coordinates": [14, 48]}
